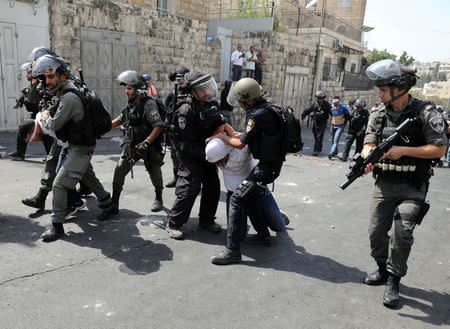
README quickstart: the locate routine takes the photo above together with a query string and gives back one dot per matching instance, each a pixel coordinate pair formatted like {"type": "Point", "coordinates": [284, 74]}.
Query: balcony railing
{"type": "Point", "coordinates": [291, 20]}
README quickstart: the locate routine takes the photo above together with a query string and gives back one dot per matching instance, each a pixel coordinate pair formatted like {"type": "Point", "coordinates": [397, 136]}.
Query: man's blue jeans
{"type": "Point", "coordinates": [336, 132]}
{"type": "Point", "coordinates": [237, 72]}
{"type": "Point", "coordinates": [73, 196]}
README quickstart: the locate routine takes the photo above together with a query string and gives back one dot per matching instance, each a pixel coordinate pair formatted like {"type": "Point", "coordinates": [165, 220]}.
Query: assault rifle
{"type": "Point", "coordinates": [48, 101]}
{"type": "Point", "coordinates": [127, 130]}
{"type": "Point", "coordinates": [360, 163]}
{"type": "Point", "coordinates": [21, 100]}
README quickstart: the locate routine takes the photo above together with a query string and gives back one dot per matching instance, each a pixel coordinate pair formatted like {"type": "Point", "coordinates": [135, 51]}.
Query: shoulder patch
{"type": "Point", "coordinates": [154, 115]}
{"type": "Point", "coordinates": [437, 124]}
{"type": "Point", "coordinates": [182, 121]}
{"type": "Point", "coordinates": [250, 125]}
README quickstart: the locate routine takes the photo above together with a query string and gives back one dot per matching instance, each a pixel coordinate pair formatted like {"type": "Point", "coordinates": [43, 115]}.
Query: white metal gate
{"type": "Point", "coordinates": [104, 55]}
{"type": "Point", "coordinates": [9, 117]}
{"type": "Point", "coordinates": [295, 84]}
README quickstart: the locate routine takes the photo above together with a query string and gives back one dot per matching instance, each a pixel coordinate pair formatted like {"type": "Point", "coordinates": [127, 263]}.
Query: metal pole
{"type": "Point", "coordinates": [273, 5]}
{"type": "Point", "coordinates": [298, 18]}
{"type": "Point", "coordinates": [316, 62]}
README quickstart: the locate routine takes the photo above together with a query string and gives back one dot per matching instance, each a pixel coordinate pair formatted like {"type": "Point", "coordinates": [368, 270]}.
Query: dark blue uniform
{"type": "Point", "coordinates": [262, 135]}
{"type": "Point", "coordinates": [194, 123]}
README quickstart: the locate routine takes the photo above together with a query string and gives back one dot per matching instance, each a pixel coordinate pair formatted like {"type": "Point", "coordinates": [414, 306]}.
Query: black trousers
{"type": "Point", "coordinates": [319, 132]}
{"type": "Point", "coordinates": [187, 188]}
{"type": "Point", "coordinates": [22, 143]}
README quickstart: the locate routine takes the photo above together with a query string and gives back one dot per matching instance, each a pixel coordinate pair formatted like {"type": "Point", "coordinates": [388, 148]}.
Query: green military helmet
{"type": "Point", "coordinates": [244, 90]}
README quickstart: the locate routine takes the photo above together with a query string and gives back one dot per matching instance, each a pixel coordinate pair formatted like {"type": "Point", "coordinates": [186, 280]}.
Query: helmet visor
{"type": "Point", "coordinates": [46, 64]}
{"type": "Point", "coordinates": [233, 96]}
{"type": "Point", "coordinates": [205, 91]}
{"type": "Point", "coordinates": [384, 69]}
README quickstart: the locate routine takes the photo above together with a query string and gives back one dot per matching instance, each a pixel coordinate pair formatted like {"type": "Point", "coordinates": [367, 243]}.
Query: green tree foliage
{"type": "Point", "coordinates": [405, 59]}
{"type": "Point", "coordinates": [377, 55]}
{"type": "Point", "coordinates": [255, 9]}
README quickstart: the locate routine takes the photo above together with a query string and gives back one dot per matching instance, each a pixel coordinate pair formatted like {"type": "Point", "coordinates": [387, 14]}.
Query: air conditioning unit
{"type": "Point", "coordinates": [338, 45]}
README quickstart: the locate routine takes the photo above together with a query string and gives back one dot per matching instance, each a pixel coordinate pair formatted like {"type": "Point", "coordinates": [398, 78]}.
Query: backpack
{"type": "Point", "coordinates": [100, 117]}
{"type": "Point", "coordinates": [162, 109]}
{"type": "Point", "coordinates": [291, 128]}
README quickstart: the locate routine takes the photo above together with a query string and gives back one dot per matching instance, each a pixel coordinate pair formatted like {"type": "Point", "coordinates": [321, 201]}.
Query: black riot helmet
{"type": "Point", "coordinates": [320, 94]}
{"type": "Point", "coordinates": [179, 73]}
{"type": "Point", "coordinates": [51, 64]}
{"type": "Point", "coordinates": [135, 80]}
{"type": "Point", "coordinates": [201, 85]}
{"type": "Point", "coordinates": [392, 74]}
{"type": "Point", "coordinates": [359, 103]}
{"type": "Point", "coordinates": [40, 51]}
{"type": "Point", "coordinates": [389, 73]}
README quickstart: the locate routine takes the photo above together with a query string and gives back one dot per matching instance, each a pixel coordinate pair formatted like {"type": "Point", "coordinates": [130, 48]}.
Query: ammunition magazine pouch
{"type": "Point", "coordinates": [248, 189]}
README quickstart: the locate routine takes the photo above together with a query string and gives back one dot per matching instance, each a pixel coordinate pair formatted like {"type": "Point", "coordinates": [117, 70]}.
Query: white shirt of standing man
{"type": "Point", "coordinates": [238, 57]}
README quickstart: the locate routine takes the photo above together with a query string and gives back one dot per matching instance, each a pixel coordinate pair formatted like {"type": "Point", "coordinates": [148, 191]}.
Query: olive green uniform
{"type": "Point", "coordinates": [397, 199]}
{"type": "Point", "coordinates": [78, 161]}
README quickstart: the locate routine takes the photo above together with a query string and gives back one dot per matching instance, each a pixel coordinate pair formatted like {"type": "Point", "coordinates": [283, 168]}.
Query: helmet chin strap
{"type": "Point", "coordinates": [393, 98]}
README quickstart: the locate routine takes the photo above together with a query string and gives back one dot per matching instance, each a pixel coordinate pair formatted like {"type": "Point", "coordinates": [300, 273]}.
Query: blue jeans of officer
{"type": "Point", "coordinates": [259, 205]}
{"type": "Point", "coordinates": [336, 132]}
{"type": "Point", "coordinates": [269, 211]}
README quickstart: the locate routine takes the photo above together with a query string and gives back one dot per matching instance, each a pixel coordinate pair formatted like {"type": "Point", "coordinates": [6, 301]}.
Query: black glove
{"type": "Point", "coordinates": [142, 147]}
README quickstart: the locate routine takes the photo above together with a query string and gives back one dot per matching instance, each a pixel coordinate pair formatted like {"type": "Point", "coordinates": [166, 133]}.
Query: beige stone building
{"type": "Point", "coordinates": [439, 89]}
{"type": "Point", "coordinates": [317, 49]}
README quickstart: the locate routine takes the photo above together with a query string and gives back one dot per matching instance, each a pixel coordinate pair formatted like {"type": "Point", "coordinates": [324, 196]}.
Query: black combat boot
{"type": "Point", "coordinates": [390, 297]}
{"type": "Point", "coordinates": [378, 277]}
{"type": "Point", "coordinates": [158, 204]}
{"type": "Point", "coordinates": [38, 201]}
{"type": "Point", "coordinates": [226, 257]}
{"type": "Point", "coordinates": [53, 232]}
{"type": "Point", "coordinates": [113, 209]}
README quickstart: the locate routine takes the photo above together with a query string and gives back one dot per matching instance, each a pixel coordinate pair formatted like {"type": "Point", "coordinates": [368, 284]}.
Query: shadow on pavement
{"type": "Point", "coordinates": [300, 261]}
{"type": "Point", "coordinates": [119, 239]}
{"type": "Point", "coordinates": [16, 229]}
{"type": "Point", "coordinates": [434, 305]}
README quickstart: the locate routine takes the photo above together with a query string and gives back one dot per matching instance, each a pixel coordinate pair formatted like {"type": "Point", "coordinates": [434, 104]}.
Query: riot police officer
{"type": "Point", "coordinates": [398, 199]}
{"type": "Point", "coordinates": [37, 88]}
{"type": "Point", "coordinates": [196, 119]}
{"type": "Point", "coordinates": [320, 110]}
{"type": "Point", "coordinates": [33, 108]}
{"type": "Point", "coordinates": [357, 129]}
{"type": "Point", "coordinates": [172, 100]}
{"type": "Point", "coordinates": [142, 125]}
{"type": "Point", "coordinates": [72, 124]}
{"type": "Point", "coordinates": [263, 135]}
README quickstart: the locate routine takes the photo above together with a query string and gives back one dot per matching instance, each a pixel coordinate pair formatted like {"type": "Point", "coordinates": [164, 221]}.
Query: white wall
{"type": "Point", "coordinates": [29, 31]}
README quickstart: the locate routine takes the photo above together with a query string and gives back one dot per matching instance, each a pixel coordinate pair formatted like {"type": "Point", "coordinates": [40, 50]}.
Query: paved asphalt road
{"type": "Point", "coordinates": [127, 273]}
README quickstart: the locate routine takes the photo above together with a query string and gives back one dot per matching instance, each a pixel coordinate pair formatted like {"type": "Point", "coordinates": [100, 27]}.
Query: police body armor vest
{"type": "Point", "coordinates": [141, 128]}
{"type": "Point", "coordinates": [269, 148]}
{"type": "Point", "coordinates": [78, 133]}
{"type": "Point", "coordinates": [415, 169]}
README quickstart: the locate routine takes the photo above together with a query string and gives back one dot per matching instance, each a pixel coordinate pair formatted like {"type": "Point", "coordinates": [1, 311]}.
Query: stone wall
{"type": "Point", "coordinates": [165, 41]}
{"type": "Point", "coordinates": [281, 52]}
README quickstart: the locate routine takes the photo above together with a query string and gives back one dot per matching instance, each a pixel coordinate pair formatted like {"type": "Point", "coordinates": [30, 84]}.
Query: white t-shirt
{"type": "Point", "coordinates": [239, 165]}
{"type": "Point", "coordinates": [50, 132]}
